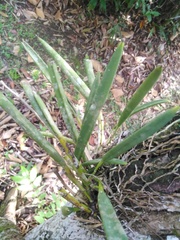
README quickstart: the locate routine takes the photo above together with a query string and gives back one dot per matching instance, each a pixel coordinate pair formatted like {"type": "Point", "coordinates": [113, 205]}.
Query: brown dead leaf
{"type": "Point", "coordinates": [29, 59]}
{"type": "Point", "coordinates": [3, 14]}
{"type": "Point", "coordinates": [39, 10]}
{"type": "Point", "coordinates": [0, 41]}
{"type": "Point", "coordinates": [117, 93]}
{"type": "Point", "coordinates": [92, 140]}
{"type": "Point", "coordinates": [21, 141]}
{"type": "Point", "coordinates": [12, 85]}
{"type": "Point", "coordinates": [7, 134]}
{"type": "Point", "coordinates": [97, 65]}
{"type": "Point", "coordinates": [70, 97]}
{"type": "Point", "coordinates": [58, 15]}
{"type": "Point", "coordinates": [46, 165]}
{"type": "Point", "coordinates": [3, 144]}
{"type": "Point", "coordinates": [127, 34]}
{"type": "Point", "coordinates": [24, 72]}
{"type": "Point", "coordinates": [29, 14]}
{"type": "Point", "coordinates": [34, 2]}
{"type": "Point", "coordinates": [119, 79]}
{"type": "Point", "coordinates": [13, 158]}
{"type": "Point", "coordinates": [154, 92]}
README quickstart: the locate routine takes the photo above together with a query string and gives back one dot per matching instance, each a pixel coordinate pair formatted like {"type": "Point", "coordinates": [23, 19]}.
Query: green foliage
{"type": "Point", "coordinates": [46, 211]}
{"type": "Point", "coordinates": [29, 184]}
{"type": "Point", "coordinates": [28, 180]}
{"type": "Point", "coordinates": [111, 224]}
{"type": "Point", "coordinates": [163, 16]}
{"type": "Point", "coordinates": [79, 166]}
{"type": "Point", "coordinates": [14, 75]}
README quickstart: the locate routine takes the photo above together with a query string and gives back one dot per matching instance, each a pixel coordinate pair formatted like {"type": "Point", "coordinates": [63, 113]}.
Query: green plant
{"type": "Point", "coordinates": [14, 75]}
{"type": "Point", "coordinates": [29, 183]}
{"type": "Point", "coordinates": [28, 180]}
{"type": "Point", "coordinates": [79, 166]}
{"type": "Point", "coordinates": [35, 74]}
{"type": "Point", "coordinates": [46, 211]}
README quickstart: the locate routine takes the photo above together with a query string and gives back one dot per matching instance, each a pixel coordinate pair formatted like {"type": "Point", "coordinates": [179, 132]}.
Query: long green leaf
{"type": "Point", "coordinates": [98, 101]}
{"type": "Point", "coordinates": [66, 68]}
{"type": "Point", "coordinates": [148, 105]}
{"type": "Point", "coordinates": [37, 59]}
{"type": "Point", "coordinates": [139, 94]}
{"type": "Point", "coordinates": [89, 71]}
{"type": "Point", "coordinates": [30, 129]}
{"type": "Point", "coordinates": [141, 135]}
{"type": "Point", "coordinates": [29, 93]}
{"type": "Point", "coordinates": [111, 224]}
{"type": "Point", "coordinates": [109, 162]}
{"type": "Point", "coordinates": [93, 93]}
{"type": "Point", "coordinates": [63, 102]}
{"type": "Point", "coordinates": [50, 120]}
{"type": "Point", "coordinates": [33, 133]}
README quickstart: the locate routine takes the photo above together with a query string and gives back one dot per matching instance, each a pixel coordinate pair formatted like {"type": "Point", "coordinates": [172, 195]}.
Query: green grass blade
{"type": "Point", "coordinates": [63, 103]}
{"type": "Point", "coordinates": [139, 94]}
{"type": "Point", "coordinates": [141, 135]}
{"type": "Point", "coordinates": [37, 59]}
{"type": "Point", "coordinates": [111, 224]}
{"type": "Point", "coordinates": [101, 94]}
{"type": "Point", "coordinates": [66, 68]}
{"type": "Point", "coordinates": [148, 105]}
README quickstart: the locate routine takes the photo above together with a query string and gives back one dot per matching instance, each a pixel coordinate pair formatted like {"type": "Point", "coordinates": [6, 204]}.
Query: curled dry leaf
{"type": "Point", "coordinates": [127, 34]}
{"type": "Point", "coordinates": [97, 65]}
{"type": "Point", "coordinates": [13, 158]}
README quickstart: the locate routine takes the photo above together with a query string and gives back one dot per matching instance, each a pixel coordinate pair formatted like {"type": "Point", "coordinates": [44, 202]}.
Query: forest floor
{"type": "Point", "coordinates": [75, 34]}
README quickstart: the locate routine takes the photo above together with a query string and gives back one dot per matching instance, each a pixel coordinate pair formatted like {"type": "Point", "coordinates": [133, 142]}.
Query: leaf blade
{"type": "Point", "coordinates": [37, 59]}
{"type": "Point", "coordinates": [111, 224]}
{"type": "Point", "coordinates": [66, 68]}
{"type": "Point", "coordinates": [99, 98]}
{"type": "Point", "coordinates": [141, 135]}
{"type": "Point", "coordinates": [139, 94]}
